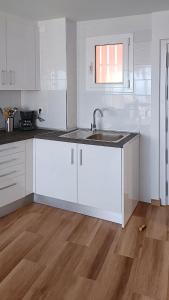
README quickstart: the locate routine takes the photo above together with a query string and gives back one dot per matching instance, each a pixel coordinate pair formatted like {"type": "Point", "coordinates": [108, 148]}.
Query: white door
{"type": "Point", "coordinates": [56, 170]}
{"type": "Point", "coordinates": [3, 72]}
{"type": "Point", "coordinates": [99, 177]}
{"type": "Point", "coordinates": [164, 115]}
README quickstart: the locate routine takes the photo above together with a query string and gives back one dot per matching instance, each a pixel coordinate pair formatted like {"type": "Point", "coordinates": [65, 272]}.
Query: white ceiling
{"type": "Point", "coordinates": [81, 9]}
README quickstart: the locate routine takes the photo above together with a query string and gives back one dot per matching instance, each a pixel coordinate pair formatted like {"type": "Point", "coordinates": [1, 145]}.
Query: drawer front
{"type": "Point", "coordinates": [12, 190]}
{"type": "Point", "coordinates": [12, 148]}
{"type": "Point", "coordinates": [12, 160]}
{"type": "Point", "coordinates": [10, 173]}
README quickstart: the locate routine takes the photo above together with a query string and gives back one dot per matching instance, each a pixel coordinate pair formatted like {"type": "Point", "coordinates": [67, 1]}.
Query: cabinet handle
{"type": "Point", "coordinates": [7, 161]}
{"type": "Point", "coordinates": [3, 77]}
{"type": "Point", "coordinates": [7, 149]}
{"type": "Point", "coordinates": [72, 156]}
{"type": "Point", "coordinates": [81, 157]}
{"type": "Point", "coordinates": [7, 186]}
{"type": "Point", "coordinates": [6, 174]}
{"type": "Point", "coordinates": [13, 77]}
{"type": "Point", "coordinates": [10, 77]}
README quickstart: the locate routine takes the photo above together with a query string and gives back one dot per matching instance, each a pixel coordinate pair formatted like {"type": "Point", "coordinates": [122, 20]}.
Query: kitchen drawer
{"type": "Point", "coordinates": [13, 191]}
{"type": "Point", "coordinates": [12, 148]}
{"type": "Point", "coordinates": [12, 160]}
{"type": "Point", "coordinates": [10, 173]}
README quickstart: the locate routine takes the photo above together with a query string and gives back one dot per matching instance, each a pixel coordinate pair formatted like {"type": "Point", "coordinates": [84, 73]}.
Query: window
{"type": "Point", "coordinates": [110, 63]}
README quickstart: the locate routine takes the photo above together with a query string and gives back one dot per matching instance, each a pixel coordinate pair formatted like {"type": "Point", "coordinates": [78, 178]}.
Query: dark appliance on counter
{"type": "Point", "coordinates": [28, 120]}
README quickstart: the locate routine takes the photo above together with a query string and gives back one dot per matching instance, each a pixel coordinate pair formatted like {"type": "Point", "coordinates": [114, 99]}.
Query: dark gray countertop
{"type": "Point", "coordinates": [19, 135]}
{"type": "Point", "coordinates": [55, 135]}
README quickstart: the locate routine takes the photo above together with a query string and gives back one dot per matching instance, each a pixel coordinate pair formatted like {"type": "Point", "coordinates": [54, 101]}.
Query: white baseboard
{"type": "Point", "coordinates": [11, 207]}
{"type": "Point", "coordinates": [79, 208]}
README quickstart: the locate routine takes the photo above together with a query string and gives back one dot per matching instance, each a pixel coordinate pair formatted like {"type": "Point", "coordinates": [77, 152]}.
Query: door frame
{"type": "Point", "coordinates": [164, 79]}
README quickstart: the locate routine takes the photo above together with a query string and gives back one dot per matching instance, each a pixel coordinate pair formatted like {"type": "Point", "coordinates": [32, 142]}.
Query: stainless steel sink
{"type": "Point", "coordinates": [103, 136]}
{"type": "Point", "coordinates": [108, 137]}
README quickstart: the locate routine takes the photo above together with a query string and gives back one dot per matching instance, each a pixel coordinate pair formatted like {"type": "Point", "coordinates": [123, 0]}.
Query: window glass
{"type": "Point", "coordinates": [109, 63]}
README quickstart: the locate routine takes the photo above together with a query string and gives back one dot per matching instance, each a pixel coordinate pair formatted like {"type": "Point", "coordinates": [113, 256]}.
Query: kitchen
{"type": "Point", "coordinates": [86, 157]}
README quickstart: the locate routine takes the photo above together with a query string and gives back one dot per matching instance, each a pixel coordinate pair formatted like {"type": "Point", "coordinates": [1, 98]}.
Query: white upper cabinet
{"type": "Point", "coordinates": [15, 53]}
{"type": "Point", "coordinates": [19, 60]}
{"type": "Point", "coordinates": [58, 72]}
{"type": "Point", "coordinates": [3, 66]}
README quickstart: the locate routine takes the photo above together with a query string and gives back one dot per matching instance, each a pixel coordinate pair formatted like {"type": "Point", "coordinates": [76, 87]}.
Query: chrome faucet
{"type": "Point", "coordinates": [93, 125]}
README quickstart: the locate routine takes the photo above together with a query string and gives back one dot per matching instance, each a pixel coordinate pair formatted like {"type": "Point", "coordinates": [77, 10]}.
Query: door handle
{"type": "Point", "coordinates": [8, 161]}
{"type": "Point", "coordinates": [7, 174]}
{"type": "Point", "coordinates": [7, 186]}
{"type": "Point", "coordinates": [3, 77]}
{"type": "Point", "coordinates": [11, 77]}
{"type": "Point", "coordinates": [72, 156]}
{"type": "Point", "coordinates": [81, 157]}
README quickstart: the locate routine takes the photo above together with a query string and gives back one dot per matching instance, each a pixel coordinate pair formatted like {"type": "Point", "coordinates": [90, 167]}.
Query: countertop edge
{"type": "Point", "coordinates": [55, 135]}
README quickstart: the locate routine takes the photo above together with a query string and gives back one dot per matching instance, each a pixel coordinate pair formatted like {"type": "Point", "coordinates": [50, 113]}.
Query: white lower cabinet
{"type": "Point", "coordinates": [12, 172]}
{"type": "Point", "coordinates": [56, 170]}
{"type": "Point", "coordinates": [99, 181]}
{"type": "Point", "coordinates": [99, 177]}
{"type": "Point", "coordinates": [16, 170]}
{"type": "Point", "coordinates": [88, 175]}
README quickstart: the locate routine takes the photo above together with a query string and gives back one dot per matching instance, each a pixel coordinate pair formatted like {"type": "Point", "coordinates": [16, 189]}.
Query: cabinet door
{"type": "Point", "coordinates": [56, 170]}
{"type": "Point", "coordinates": [22, 54]}
{"type": "Point", "coordinates": [31, 57]}
{"type": "Point", "coordinates": [15, 53]}
{"type": "Point", "coordinates": [99, 177]}
{"type": "Point", "coordinates": [3, 72]}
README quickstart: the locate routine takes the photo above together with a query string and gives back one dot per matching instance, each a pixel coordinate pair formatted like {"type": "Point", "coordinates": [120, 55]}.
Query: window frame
{"type": "Point", "coordinates": [127, 85]}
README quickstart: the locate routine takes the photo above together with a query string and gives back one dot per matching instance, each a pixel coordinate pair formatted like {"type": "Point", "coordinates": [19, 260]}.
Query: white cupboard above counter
{"type": "Point", "coordinates": [19, 66]}
{"type": "Point", "coordinates": [95, 180]}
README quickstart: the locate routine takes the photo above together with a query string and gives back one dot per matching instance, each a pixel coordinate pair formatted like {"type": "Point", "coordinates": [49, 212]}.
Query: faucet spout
{"type": "Point", "coordinates": [93, 125]}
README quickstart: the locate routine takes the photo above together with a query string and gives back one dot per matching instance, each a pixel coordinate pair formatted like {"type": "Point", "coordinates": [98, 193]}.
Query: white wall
{"type": "Point", "coordinates": [121, 112]}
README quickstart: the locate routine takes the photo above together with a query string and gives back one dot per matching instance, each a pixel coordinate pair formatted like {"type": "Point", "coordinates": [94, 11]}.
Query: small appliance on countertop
{"type": "Point", "coordinates": [28, 120]}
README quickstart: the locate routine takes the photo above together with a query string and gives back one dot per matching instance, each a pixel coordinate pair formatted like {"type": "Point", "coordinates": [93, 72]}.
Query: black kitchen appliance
{"type": "Point", "coordinates": [28, 120]}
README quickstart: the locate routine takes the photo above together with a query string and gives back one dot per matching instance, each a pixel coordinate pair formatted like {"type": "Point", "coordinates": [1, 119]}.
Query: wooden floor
{"type": "Point", "coordinates": [51, 254]}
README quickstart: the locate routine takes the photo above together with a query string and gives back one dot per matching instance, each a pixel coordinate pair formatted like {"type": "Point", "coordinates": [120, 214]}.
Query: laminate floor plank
{"type": "Point", "coordinates": [58, 275]}
{"type": "Point", "coordinates": [52, 254]}
{"type": "Point", "coordinates": [16, 251]}
{"type": "Point", "coordinates": [112, 282]}
{"type": "Point", "coordinates": [16, 228]}
{"type": "Point", "coordinates": [150, 272]}
{"type": "Point", "coordinates": [141, 297]}
{"type": "Point", "coordinates": [86, 230]}
{"type": "Point", "coordinates": [158, 223]}
{"type": "Point", "coordinates": [131, 240]}
{"type": "Point", "coordinates": [96, 254]}
{"type": "Point", "coordinates": [19, 280]}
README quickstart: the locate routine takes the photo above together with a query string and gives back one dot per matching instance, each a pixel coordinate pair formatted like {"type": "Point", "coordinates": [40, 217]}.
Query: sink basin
{"type": "Point", "coordinates": [103, 136]}
{"type": "Point", "coordinates": [107, 137]}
